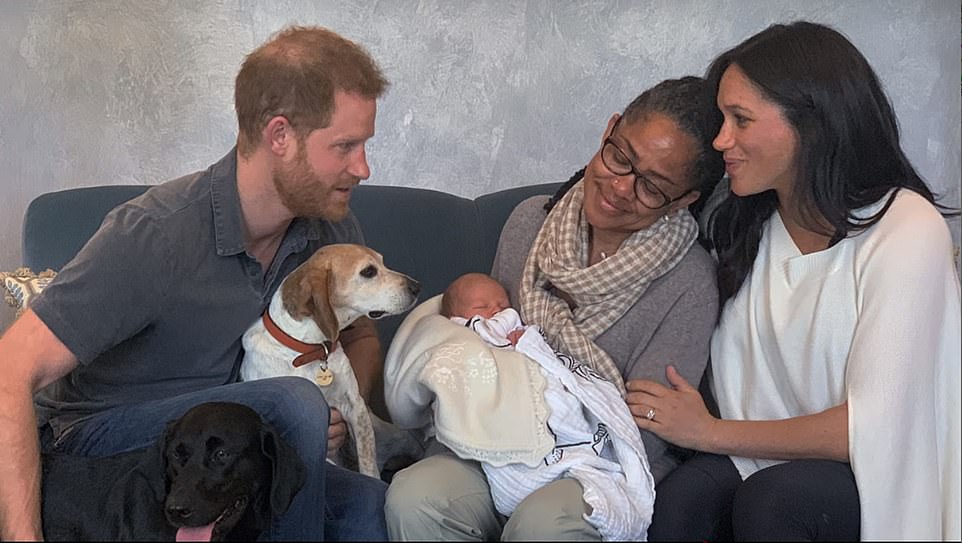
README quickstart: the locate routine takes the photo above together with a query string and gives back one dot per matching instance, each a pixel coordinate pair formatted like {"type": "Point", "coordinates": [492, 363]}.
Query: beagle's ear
{"type": "Point", "coordinates": [323, 312]}
{"type": "Point", "coordinates": [306, 293]}
{"type": "Point", "coordinates": [296, 294]}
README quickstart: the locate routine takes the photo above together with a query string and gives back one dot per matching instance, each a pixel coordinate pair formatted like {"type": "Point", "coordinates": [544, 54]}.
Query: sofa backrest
{"type": "Point", "coordinates": [430, 235]}
{"type": "Point", "coordinates": [58, 224]}
{"type": "Point", "coordinates": [434, 236]}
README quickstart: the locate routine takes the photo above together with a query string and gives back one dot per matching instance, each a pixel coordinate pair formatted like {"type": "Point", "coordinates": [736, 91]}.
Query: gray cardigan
{"type": "Point", "coordinates": [671, 323]}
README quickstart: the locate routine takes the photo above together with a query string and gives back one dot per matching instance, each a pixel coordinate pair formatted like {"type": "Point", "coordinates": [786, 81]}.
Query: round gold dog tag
{"type": "Point", "coordinates": [324, 377]}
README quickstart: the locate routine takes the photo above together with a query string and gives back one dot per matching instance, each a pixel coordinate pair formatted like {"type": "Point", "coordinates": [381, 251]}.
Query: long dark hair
{"type": "Point", "coordinates": [690, 103]}
{"type": "Point", "coordinates": [848, 155]}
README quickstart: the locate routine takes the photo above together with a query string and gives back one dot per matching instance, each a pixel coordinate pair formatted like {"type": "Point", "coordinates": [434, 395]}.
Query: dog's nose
{"type": "Point", "coordinates": [179, 512]}
{"type": "Point", "coordinates": [414, 287]}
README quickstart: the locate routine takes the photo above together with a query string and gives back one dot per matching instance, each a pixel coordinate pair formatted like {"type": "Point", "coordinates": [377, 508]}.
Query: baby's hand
{"type": "Point", "coordinates": [515, 335]}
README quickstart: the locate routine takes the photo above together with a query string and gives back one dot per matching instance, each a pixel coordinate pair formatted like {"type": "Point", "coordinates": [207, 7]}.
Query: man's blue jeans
{"type": "Point", "coordinates": [334, 504]}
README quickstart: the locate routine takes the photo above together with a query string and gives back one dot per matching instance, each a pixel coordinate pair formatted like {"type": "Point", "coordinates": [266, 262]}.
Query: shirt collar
{"type": "Point", "coordinates": [228, 217]}
{"type": "Point", "coordinates": [225, 205]}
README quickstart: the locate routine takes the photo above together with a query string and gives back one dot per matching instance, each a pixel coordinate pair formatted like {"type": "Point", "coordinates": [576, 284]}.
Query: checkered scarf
{"type": "Point", "coordinates": [602, 293]}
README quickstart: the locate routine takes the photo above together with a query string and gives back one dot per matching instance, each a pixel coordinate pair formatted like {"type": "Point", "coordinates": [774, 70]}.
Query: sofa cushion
{"type": "Point", "coordinates": [21, 285]}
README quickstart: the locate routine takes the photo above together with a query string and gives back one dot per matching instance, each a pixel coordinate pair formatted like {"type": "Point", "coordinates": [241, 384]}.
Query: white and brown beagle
{"type": "Point", "coordinates": [298, 333]}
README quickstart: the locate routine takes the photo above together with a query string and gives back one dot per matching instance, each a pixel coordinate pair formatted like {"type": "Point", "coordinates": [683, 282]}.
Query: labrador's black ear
{"type": "Point", "coordinates": [160, 452]}
{"type": "Point", "coordinates": [287, 470]}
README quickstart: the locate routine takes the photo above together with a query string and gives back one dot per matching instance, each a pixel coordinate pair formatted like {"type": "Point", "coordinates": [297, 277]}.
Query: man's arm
{"type": "Point", "coordinates": [31, 357]}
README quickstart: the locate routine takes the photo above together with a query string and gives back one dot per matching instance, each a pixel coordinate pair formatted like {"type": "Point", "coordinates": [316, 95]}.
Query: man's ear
{"type": "Point", "coordinates": [280, 136]}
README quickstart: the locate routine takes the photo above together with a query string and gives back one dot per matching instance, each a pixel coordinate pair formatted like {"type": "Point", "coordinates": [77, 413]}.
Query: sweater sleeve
{"type": "Point", "coordinates": [683, 335]}
{"type": "Point", "coordinates": [902, 377]}
{"type": "Point", "coordinates": [681, 339]}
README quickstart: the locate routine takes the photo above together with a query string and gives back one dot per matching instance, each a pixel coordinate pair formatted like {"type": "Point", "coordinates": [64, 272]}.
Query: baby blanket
{"type": "Point", "coordinates": [442, 377]}
{"type": "Point", "coordinates": [592, 437]}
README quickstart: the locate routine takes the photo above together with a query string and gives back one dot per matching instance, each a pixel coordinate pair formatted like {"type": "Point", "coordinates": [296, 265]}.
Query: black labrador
{"type": "Point", "coordinates": [219, 472]}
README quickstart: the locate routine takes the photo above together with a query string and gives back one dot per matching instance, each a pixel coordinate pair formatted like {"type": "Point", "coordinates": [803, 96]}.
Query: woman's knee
{"type": "Point", "coordinates": [440, 497]}
{"type": "Point", "coordinates": [694, 501]}
{"type": "Point", "coordinates": [408, 490]}
{"type": "Point", "coordinates": [554, 512]}
{"type": "Point", "coordinates": [760, 505]}
{"type": "Point", "coordinates": [807, 499]}
{"type": "Point", "coordinates": [433, 483]}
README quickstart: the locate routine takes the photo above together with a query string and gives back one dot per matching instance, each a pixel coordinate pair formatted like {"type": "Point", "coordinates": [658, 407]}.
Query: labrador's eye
{"type": "Point", "coordinates": [369, 272]}
{"type": "Point", "coordinates": [220, 455]}
{"type": "Point", "coordinates": [180, 454]}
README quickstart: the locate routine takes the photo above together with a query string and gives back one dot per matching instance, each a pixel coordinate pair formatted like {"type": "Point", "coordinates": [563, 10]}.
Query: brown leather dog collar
{"type": "Point", "coordinates": [309, 351]}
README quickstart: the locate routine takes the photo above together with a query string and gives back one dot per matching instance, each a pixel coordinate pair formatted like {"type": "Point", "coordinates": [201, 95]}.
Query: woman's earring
{"type": "Point", "coordinates": [666, 218]}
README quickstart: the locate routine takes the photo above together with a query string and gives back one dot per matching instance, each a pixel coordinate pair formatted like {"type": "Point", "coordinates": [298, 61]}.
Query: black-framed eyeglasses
{"type": "Point", "coordinates": [647, 192]}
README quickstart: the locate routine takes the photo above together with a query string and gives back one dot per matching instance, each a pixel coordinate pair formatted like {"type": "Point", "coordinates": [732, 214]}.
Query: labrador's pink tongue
{"type": "Point", "coordinates": [199, 533]}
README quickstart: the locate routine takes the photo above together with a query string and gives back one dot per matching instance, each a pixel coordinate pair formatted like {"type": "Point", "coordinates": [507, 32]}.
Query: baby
{"type": "Point", "coordinates": [582, 406]}
{"type": "Point", "coordinates": [479, 302]}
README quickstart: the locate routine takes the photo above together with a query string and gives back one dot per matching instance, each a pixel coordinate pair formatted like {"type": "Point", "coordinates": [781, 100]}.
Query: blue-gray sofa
{"type": "Point", "coordinates": [430, 235]}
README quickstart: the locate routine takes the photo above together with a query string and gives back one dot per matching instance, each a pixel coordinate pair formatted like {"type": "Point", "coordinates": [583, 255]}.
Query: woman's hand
{"type": "Point", "coordinates": [677, 414]}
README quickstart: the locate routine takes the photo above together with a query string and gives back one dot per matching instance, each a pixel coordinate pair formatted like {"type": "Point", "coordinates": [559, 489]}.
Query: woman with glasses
{"type": "Point", "coordinates": [835, 363]}
{"type": "Point", "coordinates": [610, 269]}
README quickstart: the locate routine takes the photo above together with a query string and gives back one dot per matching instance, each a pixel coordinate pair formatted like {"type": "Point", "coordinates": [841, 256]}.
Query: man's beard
{"type": "Point", "coordinates": [303, 192]}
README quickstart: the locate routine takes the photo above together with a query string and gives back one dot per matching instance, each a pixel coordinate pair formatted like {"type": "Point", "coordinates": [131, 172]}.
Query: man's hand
{"type": "Point", "coordinates": [336, 433]}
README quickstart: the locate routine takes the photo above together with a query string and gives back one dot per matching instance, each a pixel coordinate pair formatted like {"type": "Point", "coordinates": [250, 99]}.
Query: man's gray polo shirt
{"type": "Point", "coordinates": [156, 303]}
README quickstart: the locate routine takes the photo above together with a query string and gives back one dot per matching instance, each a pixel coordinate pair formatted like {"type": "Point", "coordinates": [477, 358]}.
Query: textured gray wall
{"type": "Point", "coordinates": [486, 94]}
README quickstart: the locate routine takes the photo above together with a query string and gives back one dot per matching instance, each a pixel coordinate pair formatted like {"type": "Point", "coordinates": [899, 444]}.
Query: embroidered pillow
{"type": "Point", "coordinates": [20, 286]}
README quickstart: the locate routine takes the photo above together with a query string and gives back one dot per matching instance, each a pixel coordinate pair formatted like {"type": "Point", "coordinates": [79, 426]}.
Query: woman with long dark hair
{"type": "Point", "coordinates": [836, 359]}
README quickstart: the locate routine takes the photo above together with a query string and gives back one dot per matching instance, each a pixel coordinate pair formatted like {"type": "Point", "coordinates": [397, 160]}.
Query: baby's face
{"type": "Point", "coordinates": [484, 297]}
